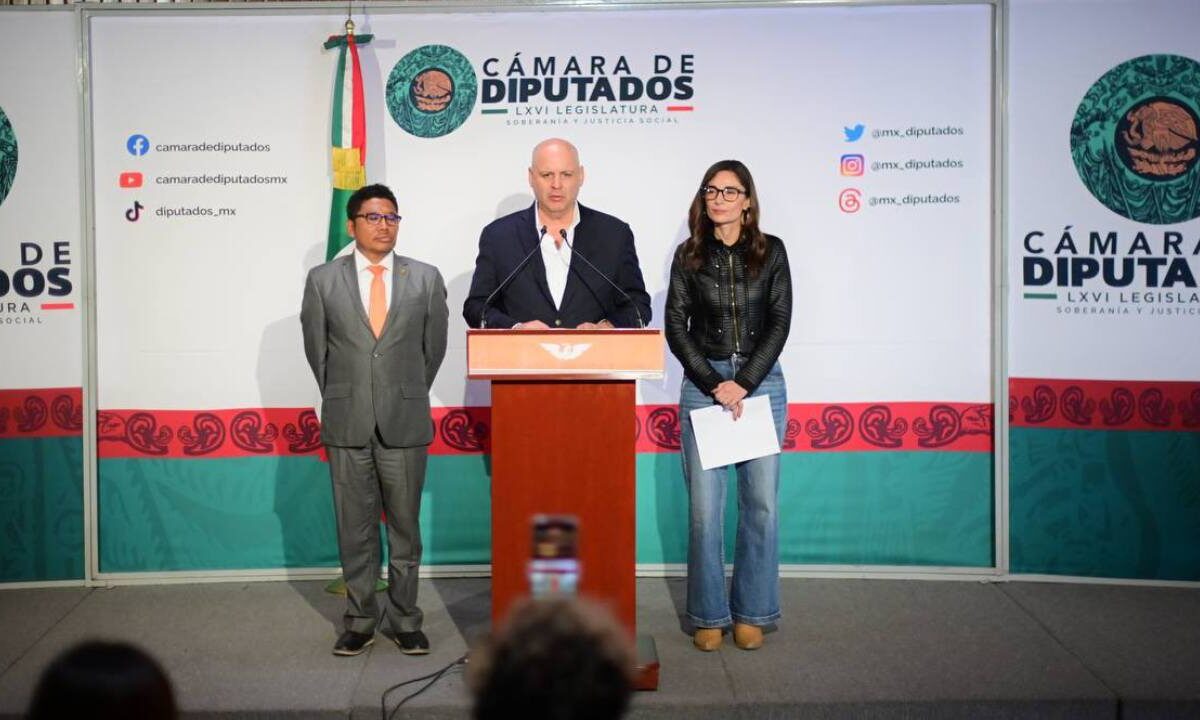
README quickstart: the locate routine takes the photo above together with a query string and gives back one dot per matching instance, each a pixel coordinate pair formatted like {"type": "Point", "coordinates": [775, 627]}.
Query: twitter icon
{"type": "Point", "coordinates": [854, 133]}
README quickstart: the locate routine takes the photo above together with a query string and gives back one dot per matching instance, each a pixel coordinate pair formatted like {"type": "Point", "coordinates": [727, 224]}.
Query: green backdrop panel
{"type": "Point", "coordinates": [41, 509]}
{"type": "Point", "coordinates": [874, 508]}
{"type": "Point", "coordinates": [456, 511]}
{"type": "Point", "coordinates": [1096, 503]}
{"type": "Point", "coordinates": [210, 514]}
{"type": "Point", "coordinates": [905, 508]}
{"type": "Point", "coordinates": [270, 512]}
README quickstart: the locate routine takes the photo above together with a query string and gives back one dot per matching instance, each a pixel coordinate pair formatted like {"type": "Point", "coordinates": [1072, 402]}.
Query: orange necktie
{"type": "Point", "coordinates": [377, 306]}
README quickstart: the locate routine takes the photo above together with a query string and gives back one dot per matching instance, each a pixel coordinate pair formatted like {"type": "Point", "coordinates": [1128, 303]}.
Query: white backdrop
{"type": "Point", "coordinates": [1047, 80]}
{"type": "Point", "coordinates": [892, 302]}
{"type": "Point", "coordinates": [42, 348]}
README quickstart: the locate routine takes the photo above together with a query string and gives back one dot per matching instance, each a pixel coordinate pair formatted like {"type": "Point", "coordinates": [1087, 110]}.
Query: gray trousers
{"type": "Point", "coordinates": [366, 482]}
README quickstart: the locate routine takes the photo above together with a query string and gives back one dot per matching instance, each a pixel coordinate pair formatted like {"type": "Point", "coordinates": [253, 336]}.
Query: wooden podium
{"type": "Point", "coordinates": [563, 433]}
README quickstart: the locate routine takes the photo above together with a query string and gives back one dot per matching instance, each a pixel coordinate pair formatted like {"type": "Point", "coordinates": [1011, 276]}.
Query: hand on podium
{"type": "Point", "coordinates": [602, 325]}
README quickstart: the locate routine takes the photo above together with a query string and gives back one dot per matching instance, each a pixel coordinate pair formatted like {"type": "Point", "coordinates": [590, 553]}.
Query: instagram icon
{"type": "Point", "coordinates": [852, 165]}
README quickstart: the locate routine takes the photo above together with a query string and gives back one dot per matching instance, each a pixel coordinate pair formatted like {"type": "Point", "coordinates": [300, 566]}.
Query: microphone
{"type": "Point", "coordinates": [492, 296]}
{"type": "Point", "coordinates": [563, 233]}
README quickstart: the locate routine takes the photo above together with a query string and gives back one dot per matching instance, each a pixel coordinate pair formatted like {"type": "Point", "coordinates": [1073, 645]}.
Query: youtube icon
{"type": "Point", "coordinates": [131, 180]}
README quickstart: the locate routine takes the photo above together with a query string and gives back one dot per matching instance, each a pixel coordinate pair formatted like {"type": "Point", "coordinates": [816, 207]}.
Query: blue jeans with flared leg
{"type": "Point", "coordinates": [754, 595]}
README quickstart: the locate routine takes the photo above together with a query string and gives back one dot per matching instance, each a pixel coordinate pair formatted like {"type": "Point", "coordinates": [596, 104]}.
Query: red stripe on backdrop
{"type": "Point", "coordinates": [41, 412]}
{"type": "Point", "coordinates": [1104, 404]}
{"type": "Point", "coordinates": [959, 427]}
{"type": "Point", "coordinates": [462, 430]}
{"type": "Point", "coordinates": [239, 432]}
{"type": "Point", "coordinates": [851, 427]}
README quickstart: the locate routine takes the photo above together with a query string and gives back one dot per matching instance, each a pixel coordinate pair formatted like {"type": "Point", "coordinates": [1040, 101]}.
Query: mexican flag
{"type": "Point", "coordinates": [348, 143]}
{"type": "Point", "coordinates": [349, 134]}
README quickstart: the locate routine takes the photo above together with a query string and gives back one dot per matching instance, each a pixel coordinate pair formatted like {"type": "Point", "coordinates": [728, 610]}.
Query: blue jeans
{"type": "Point", "coordinates": [754, 597]}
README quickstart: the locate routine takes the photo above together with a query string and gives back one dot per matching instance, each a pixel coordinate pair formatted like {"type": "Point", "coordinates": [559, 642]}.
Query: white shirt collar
{"type": "Point", "coordinates": [361, 262]}
{"type": "Point", "coordinates": [537, 222]}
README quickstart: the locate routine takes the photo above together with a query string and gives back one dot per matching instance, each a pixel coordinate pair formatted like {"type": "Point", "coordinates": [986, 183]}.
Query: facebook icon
{"type": "Point", "coordinates": [137, 145]}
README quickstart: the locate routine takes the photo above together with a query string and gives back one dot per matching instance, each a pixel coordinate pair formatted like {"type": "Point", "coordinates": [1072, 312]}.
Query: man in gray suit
{"type": "Point", "coordinates": [375, 334]}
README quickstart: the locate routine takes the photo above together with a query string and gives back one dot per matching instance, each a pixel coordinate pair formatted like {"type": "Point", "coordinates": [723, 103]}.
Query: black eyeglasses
{"type": "Point", "coordinates": [376, 218]}
{"type": "Point", "coordinates": [730, 194]}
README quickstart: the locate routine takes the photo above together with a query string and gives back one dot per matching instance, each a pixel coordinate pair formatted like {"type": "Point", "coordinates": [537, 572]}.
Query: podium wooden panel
{"type": "Point", "coordinates": [563, 432]}
{"type": "Point", "coordinates": [565, 448]}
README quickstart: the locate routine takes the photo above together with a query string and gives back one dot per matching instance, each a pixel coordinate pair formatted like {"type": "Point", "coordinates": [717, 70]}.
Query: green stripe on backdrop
{"type": "Point", "coordinates": [214, 514]}
{"type": "Point", "coordinates": [869, 508]}
{"type": "Point", "coordinates": [41, 509]}
{"type": "Point", "coordinates": [271, 512]}
{"type": "Point", "coordinates": [1098, 503]}
{"type": "Point", "coordinates": [876, 508]}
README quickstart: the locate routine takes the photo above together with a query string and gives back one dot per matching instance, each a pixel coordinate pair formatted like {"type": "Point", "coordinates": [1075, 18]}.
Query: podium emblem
{"type": "Point", "coordinates": [565, 351]}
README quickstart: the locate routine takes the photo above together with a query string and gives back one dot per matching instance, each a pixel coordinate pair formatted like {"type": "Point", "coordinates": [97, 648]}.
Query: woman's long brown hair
{"type": "Point", "coordinates": [694, 252]}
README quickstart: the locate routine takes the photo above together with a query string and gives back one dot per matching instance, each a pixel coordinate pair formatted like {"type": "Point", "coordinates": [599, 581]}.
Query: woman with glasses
{"type": "Point", "coordinates": [728, 311]}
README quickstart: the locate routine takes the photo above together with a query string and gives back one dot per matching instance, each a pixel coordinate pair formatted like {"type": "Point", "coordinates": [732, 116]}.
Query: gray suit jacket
{"type": "Point", "coordinates": [367, 383]}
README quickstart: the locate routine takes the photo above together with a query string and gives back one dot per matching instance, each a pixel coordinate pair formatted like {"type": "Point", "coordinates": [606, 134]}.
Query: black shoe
{"type": "Point", "coordinates": [413, 643]}
{"type": "Point", "coordinates": [352, 643]}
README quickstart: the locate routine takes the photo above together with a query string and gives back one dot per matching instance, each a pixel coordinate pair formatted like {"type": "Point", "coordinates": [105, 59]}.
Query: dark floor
{"type": "Point", "coordinates": [845, 649]}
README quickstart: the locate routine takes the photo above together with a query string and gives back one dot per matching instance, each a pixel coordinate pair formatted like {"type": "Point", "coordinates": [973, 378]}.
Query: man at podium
{"type": "Point", "coordinates": [556, 264]}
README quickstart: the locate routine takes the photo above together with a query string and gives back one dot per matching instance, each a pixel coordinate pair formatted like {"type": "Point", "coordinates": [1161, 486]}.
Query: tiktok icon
{"type": "Point", "coordinates": [134, 213]}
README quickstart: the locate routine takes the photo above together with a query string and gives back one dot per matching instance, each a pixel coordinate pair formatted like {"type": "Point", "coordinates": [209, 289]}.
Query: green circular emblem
{"type": "Point", "coordinates": [431, 91]}
{"type": "Point", "coordinates": [8, 155]}
{"type": "Point", "coordinates": [1134, 139]}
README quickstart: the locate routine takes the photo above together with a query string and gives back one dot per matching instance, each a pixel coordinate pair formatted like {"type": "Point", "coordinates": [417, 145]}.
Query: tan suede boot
{"type": "Point", "coordinates": [747, 637]}
{"type": "Point", "coordinates": [707, 639]}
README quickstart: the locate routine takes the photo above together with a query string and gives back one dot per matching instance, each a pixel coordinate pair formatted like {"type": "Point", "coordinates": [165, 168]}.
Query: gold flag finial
{"type": "Point", "coordinates": [349, 26]}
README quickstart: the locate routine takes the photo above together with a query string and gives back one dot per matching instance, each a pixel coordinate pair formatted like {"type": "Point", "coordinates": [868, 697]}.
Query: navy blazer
{"type": "Point", "coordinates": [601, 238]}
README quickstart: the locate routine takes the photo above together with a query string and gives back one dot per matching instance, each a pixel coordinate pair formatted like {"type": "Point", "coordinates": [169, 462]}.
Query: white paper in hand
{"type": "Point", "coordinates": [722, 440]}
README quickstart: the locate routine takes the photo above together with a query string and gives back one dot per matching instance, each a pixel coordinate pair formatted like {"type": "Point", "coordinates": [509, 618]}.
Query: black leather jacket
{"type": "Point", "coordinates": [718, 311]}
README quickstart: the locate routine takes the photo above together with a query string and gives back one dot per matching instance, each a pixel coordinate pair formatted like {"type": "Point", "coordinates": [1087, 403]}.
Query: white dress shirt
{"type": "Point", "coordinates": [557, 259]}
{"type": "Point", "coordinates": [365, 276]}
